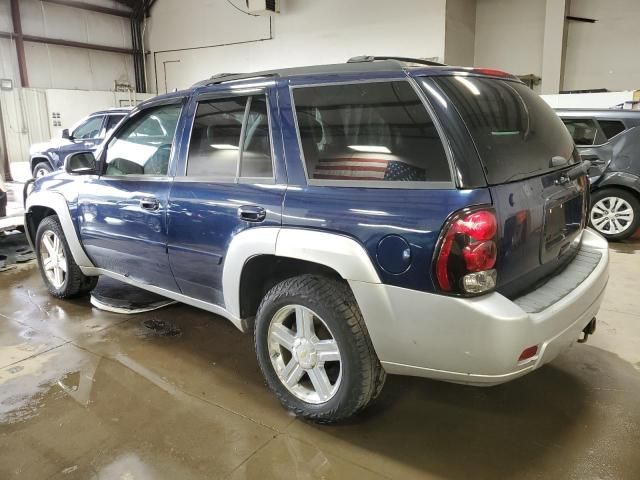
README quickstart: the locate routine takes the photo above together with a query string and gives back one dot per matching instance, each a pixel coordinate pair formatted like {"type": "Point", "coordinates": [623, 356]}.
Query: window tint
{"type": "Point", "coordinates": [89, 129]}
{"type": "Point", "coordinates": [583, 130]}
{"type": "Point", "coordinates": [368, 132]}
{"type": "Point", "coordinates": [256, 151]}
{"type": "Point", "coordinates": [611, 128]}
{"type": "Point", "coordinates": [515, 131]}
{"type": "Point", "coordinates": [112, 121]}
{"type": "Point", "coordinates": [143, 146]}
{"type": "Point", "coordinates": [215, 147]}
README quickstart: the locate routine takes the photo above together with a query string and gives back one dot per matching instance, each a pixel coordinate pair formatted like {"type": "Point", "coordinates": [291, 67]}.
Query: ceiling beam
{"type": "Point", "coordinates": [66, 43]}
{"type": "Point", "coordinates": [91, 7]}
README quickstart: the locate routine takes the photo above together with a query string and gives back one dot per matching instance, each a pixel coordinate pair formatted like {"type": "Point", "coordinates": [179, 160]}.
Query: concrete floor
{"type": "Point", "coordinates": [177, 394]}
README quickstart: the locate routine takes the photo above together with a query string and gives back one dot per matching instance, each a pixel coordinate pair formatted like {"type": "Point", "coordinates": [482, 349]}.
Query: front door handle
{"type": "Point", "coordinates": [252, 213]}
{"type": "Point", "coordinates": [149, 203]}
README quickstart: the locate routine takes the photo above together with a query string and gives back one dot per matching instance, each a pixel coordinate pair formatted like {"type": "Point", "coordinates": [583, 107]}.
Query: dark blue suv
{"type": "Point", "coordinates": [361, 219]}
{"type": "Point", "coordinates": [85, 135]}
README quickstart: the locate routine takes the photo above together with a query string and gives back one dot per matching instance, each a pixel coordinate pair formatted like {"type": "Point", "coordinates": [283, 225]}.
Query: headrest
{"type": "Point", "coordinates": [309, 125]}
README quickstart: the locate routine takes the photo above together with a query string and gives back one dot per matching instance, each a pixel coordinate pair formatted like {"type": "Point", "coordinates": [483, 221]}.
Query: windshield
{"type": "Point", "coordinates": [515, 132]}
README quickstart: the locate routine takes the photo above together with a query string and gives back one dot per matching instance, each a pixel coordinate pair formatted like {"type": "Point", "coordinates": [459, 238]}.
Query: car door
{"type": "Point", "coordinates": [231, 178]}
{"type": "Point", "coordinates": [122, 213]}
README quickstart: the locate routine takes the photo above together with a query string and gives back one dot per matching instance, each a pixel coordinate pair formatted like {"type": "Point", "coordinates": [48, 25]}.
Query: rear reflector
{"type": "Point", "coordinates": [527, 353]}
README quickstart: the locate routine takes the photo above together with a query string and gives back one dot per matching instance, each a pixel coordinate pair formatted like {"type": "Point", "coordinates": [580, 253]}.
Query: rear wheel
{"type": "Point", "coordinates": [60, 273]}
{"type": "Point", "coordinates": [314, 349]}
{"type": "Point", "coordinates": [614, 213]}
{"type": "Point", "coordinates": [41, 169]}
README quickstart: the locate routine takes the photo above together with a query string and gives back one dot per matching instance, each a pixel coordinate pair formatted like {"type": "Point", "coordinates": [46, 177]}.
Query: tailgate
{"type": "Point", "coordinates": [525, 151]}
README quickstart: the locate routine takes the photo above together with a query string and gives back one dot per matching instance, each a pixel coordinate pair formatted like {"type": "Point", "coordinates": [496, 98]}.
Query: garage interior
{"type": "Point", "coordinates": [176, 393]}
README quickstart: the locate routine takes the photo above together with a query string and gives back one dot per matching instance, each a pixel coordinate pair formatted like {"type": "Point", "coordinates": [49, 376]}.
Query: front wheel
{"type": "Point", "coordinates": [614, 213]}
{"type": "Point", "coordinates": [60, 273]}
{"type": "Point", "coordinates": [314, 349]}
{"type": "Point", "coordinates": [41, 169]}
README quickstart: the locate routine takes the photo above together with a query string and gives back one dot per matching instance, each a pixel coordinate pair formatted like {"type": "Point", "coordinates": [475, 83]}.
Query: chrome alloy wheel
{"type": "Point", "coordinates": [611, 215]}
{"type": "Point", "coordinates": [304, 354]}
{"type": "Point", "coordinates": [54, 259]}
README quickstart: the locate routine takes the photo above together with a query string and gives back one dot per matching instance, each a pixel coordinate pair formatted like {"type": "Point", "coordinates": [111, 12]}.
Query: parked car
{"type": "Point", "coordinates": [610, 140]}
{"type": "Point", "coordinates": [361, 219]}
{"type": "Point", "coordinates": [11, 213]}
{"type": "Point", "coordinates": [85, 135]}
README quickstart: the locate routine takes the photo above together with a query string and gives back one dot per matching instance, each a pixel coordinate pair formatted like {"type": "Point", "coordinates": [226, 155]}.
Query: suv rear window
{"type": "Point", "coordinates": [515, 132]}
{"type": "Point", "coordinates": [377, 131]}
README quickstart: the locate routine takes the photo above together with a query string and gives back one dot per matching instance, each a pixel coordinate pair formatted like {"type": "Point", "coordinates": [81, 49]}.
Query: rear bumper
{"type": "Point", "coordinates": [478, 340]}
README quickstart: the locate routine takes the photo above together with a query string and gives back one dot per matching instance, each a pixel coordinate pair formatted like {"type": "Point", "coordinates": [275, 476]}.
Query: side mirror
{"type": "Point", "coordinates": [66, 135]}
{"type": "Point", "coordinates": [81, 163]}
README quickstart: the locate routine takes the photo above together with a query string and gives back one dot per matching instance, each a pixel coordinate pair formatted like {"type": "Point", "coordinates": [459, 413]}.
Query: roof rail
{"type": "Point", "coordinates": [367, 58]}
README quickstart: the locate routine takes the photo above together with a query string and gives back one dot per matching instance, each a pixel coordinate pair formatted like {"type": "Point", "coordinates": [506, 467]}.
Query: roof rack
{"type": "Point", "coordinates": [232, 77]}
{"type": "Point", "coordinates": [367, 58]}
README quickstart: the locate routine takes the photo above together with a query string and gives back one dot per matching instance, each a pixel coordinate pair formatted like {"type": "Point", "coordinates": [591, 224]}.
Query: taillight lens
{"type": "Point", "coordinates": [467, 253]}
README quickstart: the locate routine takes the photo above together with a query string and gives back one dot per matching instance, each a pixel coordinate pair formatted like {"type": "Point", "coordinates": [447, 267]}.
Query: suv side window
{"type": "Point", "coordinates": [611, 128]}
{"type": "Point", "coordinates": [218, 147]}
{"type": "Point", "coordinates": [368, 132]}
{"type": "Point", "coordinates": [583, 130]}
{"type": "Point", "coordinates": [143, 146]}
{"type": "Point", "coordinates": [89, 129]}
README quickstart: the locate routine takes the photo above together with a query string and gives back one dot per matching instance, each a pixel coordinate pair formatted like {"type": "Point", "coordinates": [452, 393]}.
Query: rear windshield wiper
{"type": "Point", "coordinates": [575, 172]}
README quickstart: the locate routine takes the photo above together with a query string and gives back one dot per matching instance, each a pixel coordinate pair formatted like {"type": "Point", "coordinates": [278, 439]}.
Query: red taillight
{"type": "Point", "coordinates": [468, 252]}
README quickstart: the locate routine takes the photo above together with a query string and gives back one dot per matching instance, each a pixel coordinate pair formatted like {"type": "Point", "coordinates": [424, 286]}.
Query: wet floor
{"type": "Point", "coordinates": [177, 394]}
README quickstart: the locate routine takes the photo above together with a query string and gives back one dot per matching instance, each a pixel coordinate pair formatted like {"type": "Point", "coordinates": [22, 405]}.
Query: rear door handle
{"type": "Point", "coordinates": [252, 213]}
{"type": "Point", "coordinates": [149, 203]}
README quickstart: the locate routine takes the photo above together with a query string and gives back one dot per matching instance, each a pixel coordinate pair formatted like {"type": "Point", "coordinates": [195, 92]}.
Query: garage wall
{"type": "Point", "coordinates": [603, 54]}
{"type": "Point", "coordinates": [52, 66]}
{"type": "Point", "coordinates": [460, 31]}
{"type": "Point", "coordinates": [222, 39]}
{"type": "Point", "coordinates": [509, 35]}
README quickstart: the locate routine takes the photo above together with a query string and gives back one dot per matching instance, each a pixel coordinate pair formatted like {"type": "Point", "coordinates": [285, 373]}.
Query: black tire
{"type": "Point", "coordinates": [622, 194]}
{"type": "Point", "coordinates": [332, 300]}
{"type": "Point", "coordinates": [41, 168]}
{"type": "Point", "coordinates": [75, 282]}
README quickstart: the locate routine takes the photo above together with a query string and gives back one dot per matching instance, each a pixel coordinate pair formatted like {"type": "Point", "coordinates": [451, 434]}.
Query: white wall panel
{"type": "Point", "coordinates": [108, 30]}
{"type": "Point", "coordinates": [305, 32]}
{"type": "Point", "coordinates": [9, 61]}
{"type": "Point", "coordinates": [5, 16]}
{"type": "Point", "coordinates": [460, 28]}
{"type": "Point", "coordinates": [603, 54]}
{"type": "Point", "coordinates": [510, 34]}
{"type": "Point", "coordinates": [54, 66]}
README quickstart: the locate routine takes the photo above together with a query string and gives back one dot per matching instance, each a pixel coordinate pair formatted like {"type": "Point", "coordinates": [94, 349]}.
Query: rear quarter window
{"type": "Point", "coordinates": [583, 130]}
{"type": "Point", "coordinates": [515, 132]}
{"type": "Point", "coordinates": [368, 132]}
{"type": "Point", "coordinates": [611, 128]}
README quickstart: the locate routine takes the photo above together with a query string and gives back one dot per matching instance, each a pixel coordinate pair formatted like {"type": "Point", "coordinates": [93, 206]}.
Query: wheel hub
{"type": "Point", "coordinates": [305, 354]}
